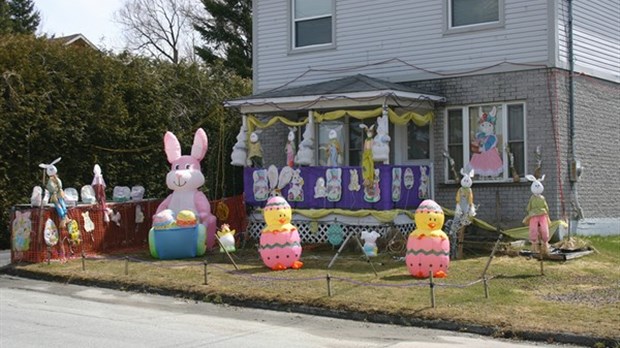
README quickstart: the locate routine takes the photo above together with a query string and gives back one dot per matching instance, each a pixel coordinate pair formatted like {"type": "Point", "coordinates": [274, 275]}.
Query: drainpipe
{"type": "Point", "coordinates": [575, 164]}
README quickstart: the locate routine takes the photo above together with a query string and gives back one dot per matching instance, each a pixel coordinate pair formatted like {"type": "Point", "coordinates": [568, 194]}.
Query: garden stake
{"type": "Point", "coordinates": [126, 265]}
{"type": "Point", "coordinates": [492, 253]}
{"type": "Point", "coordinates": [540, 257]}
{"type": "Point", "coordinates": [432, 285]}
{"type": "Point", "coordinates": [486, 287]}
{"type": "Point", "coordinates": [83, 262]}
{"type": "Point", "coordinates": [205, 263]}
{"type": "Point", "coordinates": [329, 285]}
{"type": "Point", "coordinates": [49, 254]}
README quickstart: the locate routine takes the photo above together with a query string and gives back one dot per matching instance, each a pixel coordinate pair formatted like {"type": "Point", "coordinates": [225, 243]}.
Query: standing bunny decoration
{"type": "Point", "coordinates": [184, 179]}
{"type": "Point", "coordinates": [290, 147]}
{"type": "Point", "coordinates": [57, 195]}
{"type": "Point", "coordinates": [538, 216]}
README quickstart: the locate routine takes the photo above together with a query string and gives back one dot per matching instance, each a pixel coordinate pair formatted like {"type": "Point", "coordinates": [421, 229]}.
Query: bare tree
{"type": "Point", "coordinates": [160, 28]}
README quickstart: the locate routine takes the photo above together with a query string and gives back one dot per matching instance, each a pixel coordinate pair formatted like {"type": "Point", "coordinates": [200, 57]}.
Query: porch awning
{"type": "Point", "coordinates": [351, 91]}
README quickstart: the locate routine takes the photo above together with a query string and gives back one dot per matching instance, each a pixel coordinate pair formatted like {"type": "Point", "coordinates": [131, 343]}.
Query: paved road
{"type": "Point", "coordinates": [42, 314]}
{"type": "Point", "coordinates": [5, 257]}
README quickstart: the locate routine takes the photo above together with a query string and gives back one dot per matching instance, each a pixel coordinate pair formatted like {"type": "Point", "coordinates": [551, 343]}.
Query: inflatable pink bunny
{"type": "Point", "coordinates": [185, 178]}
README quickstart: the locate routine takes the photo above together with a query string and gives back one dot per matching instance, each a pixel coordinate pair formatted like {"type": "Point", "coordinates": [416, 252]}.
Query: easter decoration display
{"type": "Point", "coordinates": [255, 150]}
{"type": "Point", "coordinates": [183, 222]}
{"type": "Point", "coordinates": [381, 143]}
{"type": "Point", "coordinates": [305, 154]}
{"type": "Point", "coordinates": [239, 153]}
{"type": "Point", "coordinates": [289, 148]}
{"type": "Point", "coordinates": [368, 164]}
{"type": "Point", "coordinates": [464, 212]}
{"type": "Point", "coordinates": [486, 160]}
{"type": "Point", "coordinates": [50, 234]}
{"type": "Point", "coordinates": [226, 236]}
{"type": "Point", "coordinates": [333, 149]}
{"type": "Point", "coordinates": [538, 216]}
{"type": "Point", "coordinates": [428, 247]}
{"type": "Point", "coordinates": [370, 242]}
{"type": "Point", "coordinates": [98, 185]}
{"type": "Point", "coordinates": [280, 244]}
{"type": "Point", "coordinates": [21, 229]}
{"type": "Point", "coordinates": [57, 195]}
{"type": "Point", "coordinates": [278, 181]}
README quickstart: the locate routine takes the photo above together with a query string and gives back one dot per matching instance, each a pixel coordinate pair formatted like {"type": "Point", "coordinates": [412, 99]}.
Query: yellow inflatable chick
{"type": "Point", "coordinates": [280, 245]}
{"type": "Point", "coordinates": [428, 247]}
{"type": "Point", "coordinates": [227, 239]}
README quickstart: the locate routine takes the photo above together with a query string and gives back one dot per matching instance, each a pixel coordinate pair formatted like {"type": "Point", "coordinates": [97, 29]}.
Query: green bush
{"type": "Point", "coordinates": [93, 107]}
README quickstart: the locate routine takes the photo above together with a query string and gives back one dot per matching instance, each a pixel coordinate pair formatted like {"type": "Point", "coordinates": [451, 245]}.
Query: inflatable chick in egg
{"type": "Point", "coordinates": [428, 247]}
{"type": "Point", "coordinates": [280, 245]}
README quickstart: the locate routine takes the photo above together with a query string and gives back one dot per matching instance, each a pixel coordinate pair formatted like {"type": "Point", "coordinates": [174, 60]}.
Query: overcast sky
{"type": "Point", "coordinates": [92, 18]}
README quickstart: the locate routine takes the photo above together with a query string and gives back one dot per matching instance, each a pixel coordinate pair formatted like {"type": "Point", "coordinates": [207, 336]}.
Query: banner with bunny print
{"type": "Point", "coordinates": [319, 187]}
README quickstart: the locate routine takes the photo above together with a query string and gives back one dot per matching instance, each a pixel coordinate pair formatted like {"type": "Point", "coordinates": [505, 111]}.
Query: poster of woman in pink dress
{"type": "Point", "coordinates": [485, 160]}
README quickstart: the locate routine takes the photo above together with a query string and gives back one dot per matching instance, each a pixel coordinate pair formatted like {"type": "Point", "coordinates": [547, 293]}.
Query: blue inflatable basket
{"type": "Point", "coordinates": [176, 243]}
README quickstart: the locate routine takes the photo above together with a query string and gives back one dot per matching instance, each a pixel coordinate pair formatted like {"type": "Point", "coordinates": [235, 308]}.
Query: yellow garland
{"type": "Point", "coordinates": [418, 119]}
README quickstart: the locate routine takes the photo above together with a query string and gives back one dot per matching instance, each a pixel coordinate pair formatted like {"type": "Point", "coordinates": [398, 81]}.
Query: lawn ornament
{"type": "Point", "coordinates": [50, 234]}
{"type": "Point", "coordinates": [57, 195]}
{"type": "Point", "coordinates": [255, 150]}
{"type": "Point", "coordinates": [184, 179]}
{"type": "Point", "coordinates": [38, 198]}
{"type": "Point", "coordinates": [280, 245]}
{"type": "Point", "coordinates": [538, 216]}
{"type": "Point", "coordinates": [486, 160]}
{"type": "Point", "coordinates": [334, 152]}
{"type": "Point", "coordinates": [428, 247]}
{"type": "Point", "coordinates": [98, 185]}
{"type": "Point", "coordinates": [370, 242]}
{"type": "Point", "coordinates": [381, 143]}
{"type": "Point", "coordinates": [227, 239]}
{"type": "Point", "coordinates": [87, 194]}
{"type": "Point", "coordinates": [289, 149]}
{"type": "Point", "coordinates": [368, 164]}
{"type": "Point", "coordinates": [278, 181]}
{"type": "Point", "coordinates": [465, 197]}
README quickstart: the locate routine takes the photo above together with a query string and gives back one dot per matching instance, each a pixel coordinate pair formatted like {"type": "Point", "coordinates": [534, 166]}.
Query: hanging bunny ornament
{"type": "Point", "coordinates": [465, 197]}
{"type": "Point", "coordinates": [185, 178]}
{"type": "Point", "coordinates": [57, 195]}
{"type": "Point", "coordinates": [538, 216]}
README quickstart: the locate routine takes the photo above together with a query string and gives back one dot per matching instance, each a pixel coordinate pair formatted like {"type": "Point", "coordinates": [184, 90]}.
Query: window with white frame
{"type": "Point", "coordinates": [312, 22]}
{"type": "Point", "coordinates": [462, 13]}
{"type": "Point", "coordinates": [490, 139]}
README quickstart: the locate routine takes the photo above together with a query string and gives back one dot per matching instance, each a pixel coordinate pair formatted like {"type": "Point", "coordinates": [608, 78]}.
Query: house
{"type": "Point", "coordinates": [506, 87]}
{"type": "Point", "coordinates": [75, 40]}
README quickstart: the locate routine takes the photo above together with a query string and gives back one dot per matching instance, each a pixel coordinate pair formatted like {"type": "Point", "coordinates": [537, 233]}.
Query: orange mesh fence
{"type": "Point", "coordinates": [124, 234]}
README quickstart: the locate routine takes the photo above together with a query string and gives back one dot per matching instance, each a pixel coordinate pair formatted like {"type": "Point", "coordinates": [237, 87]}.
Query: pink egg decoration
{"type": "Point", "coordinates": [428, 247]}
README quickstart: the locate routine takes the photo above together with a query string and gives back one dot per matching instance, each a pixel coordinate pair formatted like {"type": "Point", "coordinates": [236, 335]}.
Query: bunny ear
{"type": "Point", "coordinates": [285, 177]}
{"type": "Point", "coordinates": [463, 172]}
{"type": "Point", "coordinates": [201, 144]}
{"type": "Point", "coordinates": [55, 161]}
{"type": "Point", "coordinates": [493, 111]}
{"type": "Point", "coordinates": [363, 126]}
{"type": "Point", "coordinates": [272, 176]}
{"type": "Point", "coordinates": [172, 147]}
{"type": "Point", "coordinates": [43, 165]}
{"type": "Point", "coordinates": [542, 178]}
{"type": "Point", "coordinates": [530, 177]}
{"type": "Point", "coordinates": [471, 173]}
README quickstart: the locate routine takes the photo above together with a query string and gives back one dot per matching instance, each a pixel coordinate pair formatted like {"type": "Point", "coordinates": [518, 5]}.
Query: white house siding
{"type": "Point", "coordinates": [410, 33]}
{"type": "Point", "coordinates": [596, 37]}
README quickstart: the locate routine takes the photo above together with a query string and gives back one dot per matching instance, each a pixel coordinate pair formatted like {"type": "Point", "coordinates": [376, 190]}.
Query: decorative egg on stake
{"type": "Point", "coordinates": [280, 245]}
{"type": "Point", "coordinates": [428, 247]}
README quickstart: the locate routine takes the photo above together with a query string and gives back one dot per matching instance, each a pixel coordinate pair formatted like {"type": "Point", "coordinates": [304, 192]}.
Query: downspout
{"type": "Point", "coordinates": [575, 164]}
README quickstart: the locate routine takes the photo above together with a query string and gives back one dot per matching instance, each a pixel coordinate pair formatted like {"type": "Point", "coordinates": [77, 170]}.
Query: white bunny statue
{"type": "Point", "coordinates": [465, 197]}
{"type": "Point", "coordinates": [185, 178]}
{"type": "Point", "coordinates": [538, 216]}
{"type": "Point", "coordinates": [381, 143]}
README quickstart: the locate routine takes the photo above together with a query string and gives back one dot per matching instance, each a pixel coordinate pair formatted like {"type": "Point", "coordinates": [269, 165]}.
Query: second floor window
{"type": "Point", "coordinates": [473, 12]}
{"type": "Point", "coordinates": [312, 23]}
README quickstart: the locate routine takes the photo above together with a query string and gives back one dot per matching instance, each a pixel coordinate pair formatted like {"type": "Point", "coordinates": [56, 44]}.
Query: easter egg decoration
{"type": "Point", "coordinates": [428, 247]}
{"type": "Point", "coordinates": [280, 245]}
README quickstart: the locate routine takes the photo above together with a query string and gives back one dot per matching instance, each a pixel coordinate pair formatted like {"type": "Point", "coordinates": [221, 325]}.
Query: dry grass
{"type": "Point", "coordinates": [580, 296]}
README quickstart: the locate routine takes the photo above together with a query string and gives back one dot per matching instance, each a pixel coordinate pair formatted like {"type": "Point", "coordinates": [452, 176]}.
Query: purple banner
{"type": "Point", "coordinates": [397, 187]}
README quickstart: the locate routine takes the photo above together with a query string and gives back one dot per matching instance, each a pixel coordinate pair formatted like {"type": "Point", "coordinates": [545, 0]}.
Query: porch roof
{"type": "Point", "coordinates": [350, 91]}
